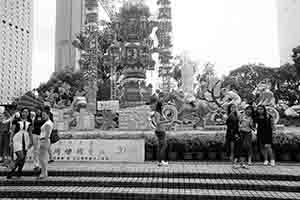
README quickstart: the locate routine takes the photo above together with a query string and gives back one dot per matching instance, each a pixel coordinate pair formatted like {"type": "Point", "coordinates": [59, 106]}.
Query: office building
{"type": "Point", "coordinates": [16, 42]}
{"type": "Point", "coordinates": [288, 12]}
{"type": "Point", "coordinates": [69, 21]}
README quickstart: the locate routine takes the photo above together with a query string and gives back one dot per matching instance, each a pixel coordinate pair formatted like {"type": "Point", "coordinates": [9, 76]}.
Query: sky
{"type": "Point", "coordinates": [228, 33]}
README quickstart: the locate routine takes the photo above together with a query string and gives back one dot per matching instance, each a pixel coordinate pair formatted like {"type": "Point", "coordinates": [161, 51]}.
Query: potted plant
{"type": "Point", "coordinates": [212, 149]}
{"type": "Point", "coordinates": [188, 147]}
{"type": "Point", "coordinates": [199, 148]}
{"type": "Point", "coordinates": [222, 151]}
{"type": "Point", "coordinates": [150, 148]}
{"type": "Point", "coordinates": [172, 148]}
{"type": "Point", "coordinates": [282, 147]}
{"type": "Point", "coordinates": [297, 150]}
{"type": "Point", "coordinates": [220, 145]}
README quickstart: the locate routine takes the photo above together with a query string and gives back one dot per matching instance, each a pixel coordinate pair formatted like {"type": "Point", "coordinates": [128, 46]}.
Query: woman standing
{"type": "Point", "coordinates": [246, 128]}
{"type": "Point", "coordinates": [37, 124]}
{"type": "Point", "coordinates": [21, 140]}
{"type": "Point", "coordinates": [232, 132]}
{"type": "Point", "coordinates": [159, 122]}
{"type": "Point", "coordinates": [4, 137]}
{"type": "Point", "coordinates": [265, 129]}
{"type": "Point", "coordinates": [46, 130]}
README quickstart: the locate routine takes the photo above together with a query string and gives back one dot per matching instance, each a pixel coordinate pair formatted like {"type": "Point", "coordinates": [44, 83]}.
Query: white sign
{"type": "Point", "coordinates": [108, 105]}
{"type": "Point", "coordinates": [98, 150]}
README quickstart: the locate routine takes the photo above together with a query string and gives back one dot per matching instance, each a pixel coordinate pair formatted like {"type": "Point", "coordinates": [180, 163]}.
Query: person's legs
{"type": "Point", "coordinates": [162, 145]}
{"type": "Point", "coordinates": [243, 150]}
{"type": "Point", "coordinates": [18, 163]}
{"type": "Point", "coordinates": [1, 146]}
{"type": "Point", "coordinates": [43, 158]}
{"type": "Point", "coordinates": [6, 146]}
{"type": "Point", "coordinates": [21, 163]}
{"type": "Point", "coordinates": [36, 146]}
{"type": "Point", "coordinates": [265, 154]}
{"type": "Point", "coordinates": [232, 151]}
{"type": "Point", "coordinates": [270, 154]}
{"type": "Point", "coordinates": [237, 153]}
{"type": "Point", "coordinates": [249, 147]}
{"type": "Point", "coordinates": [50, 154]}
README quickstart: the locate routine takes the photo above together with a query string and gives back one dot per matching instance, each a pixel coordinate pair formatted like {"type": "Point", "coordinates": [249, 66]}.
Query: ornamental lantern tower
{"type": "Point", "coordinates": [132, 51]}
{"type": "Point", "coordinates": [165, 42]}
{"type": "Point", "coordinates": [92, 52]}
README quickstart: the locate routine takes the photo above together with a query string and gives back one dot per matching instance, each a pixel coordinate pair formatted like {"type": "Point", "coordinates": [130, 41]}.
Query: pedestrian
{"type": "Point", "coordinates": [37, 124]}
{"type": "Point", "coordinates": [21, 141]}
{"type": "Point", "coordinates": [48, 110]}
{"type": "Point", "coordinates": [265, 129]}
{"type": "Point", "coordinates": [232, 132]}
{"type": "Point", "coordinates": [46, 131]}
{"type": "Point", "coordinates": [4, 136]}
{"type": "Point", "coordinates": [246, 129]}
{"type": "Point", "coordinates": [159, 122]}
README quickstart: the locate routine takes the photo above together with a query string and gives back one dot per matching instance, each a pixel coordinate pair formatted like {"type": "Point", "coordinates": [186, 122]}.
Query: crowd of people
{"type": "Point", "coordinates": [24, 130]}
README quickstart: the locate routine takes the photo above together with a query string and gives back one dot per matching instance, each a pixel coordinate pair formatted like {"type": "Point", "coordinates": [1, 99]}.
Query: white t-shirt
{"type": "Point", "coordinates": [43, 128]}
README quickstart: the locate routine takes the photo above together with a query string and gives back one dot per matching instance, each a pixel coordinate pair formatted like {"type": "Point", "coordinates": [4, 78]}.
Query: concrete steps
{"type": "Point", "coordinates": [147, 181]}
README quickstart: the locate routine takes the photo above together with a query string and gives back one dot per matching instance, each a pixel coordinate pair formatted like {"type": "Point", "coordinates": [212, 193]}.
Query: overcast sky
{"type": "Point", "coordinates": [228, 33]}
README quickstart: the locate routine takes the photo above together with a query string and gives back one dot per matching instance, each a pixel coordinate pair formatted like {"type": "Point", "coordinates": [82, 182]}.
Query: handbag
{"type": "Point", "coordinates": [54, 137]}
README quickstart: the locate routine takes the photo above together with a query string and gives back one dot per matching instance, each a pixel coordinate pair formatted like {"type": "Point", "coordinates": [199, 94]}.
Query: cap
{"type": "Point", "coordinates": [152, 99]}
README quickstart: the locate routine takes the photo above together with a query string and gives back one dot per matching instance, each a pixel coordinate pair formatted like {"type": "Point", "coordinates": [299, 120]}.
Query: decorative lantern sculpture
{"type": "Point", "coordinates": [133, 53]}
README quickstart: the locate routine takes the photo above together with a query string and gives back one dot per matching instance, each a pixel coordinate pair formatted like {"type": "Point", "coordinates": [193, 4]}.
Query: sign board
{"type": "Point", "coordinates": [131, 150]}
{"type": "Point", "coordinates": [108, 105]}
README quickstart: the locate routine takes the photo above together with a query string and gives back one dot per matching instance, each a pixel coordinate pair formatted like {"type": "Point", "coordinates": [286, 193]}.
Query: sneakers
{"type": "Point", "coordinates": [272, 163]}
{"type": "Point", "coordinates": [163, 163]}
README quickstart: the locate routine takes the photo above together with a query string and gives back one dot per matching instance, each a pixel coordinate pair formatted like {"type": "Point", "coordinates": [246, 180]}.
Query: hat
{"type": "Point", "coordinates": [152, 99]}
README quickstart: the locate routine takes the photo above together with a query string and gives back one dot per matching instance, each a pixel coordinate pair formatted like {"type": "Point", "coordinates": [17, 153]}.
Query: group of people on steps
{"type": "Point", "coordinates": [242, 130]}
{"type": "Point", "coordinates": [29, 129]}
{"type": "Point", "coordinates": [252, 127]}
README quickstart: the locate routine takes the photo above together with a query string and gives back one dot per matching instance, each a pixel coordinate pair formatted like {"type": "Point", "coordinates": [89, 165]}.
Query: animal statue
{"type": "Point", "coordinates": [266, 98]}
{"type": "Point", "coordinates": [179, 107]}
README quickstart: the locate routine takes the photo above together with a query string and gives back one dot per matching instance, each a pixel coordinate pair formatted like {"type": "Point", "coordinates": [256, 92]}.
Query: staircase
{"type": "Point", "coordinates": [147, 181]}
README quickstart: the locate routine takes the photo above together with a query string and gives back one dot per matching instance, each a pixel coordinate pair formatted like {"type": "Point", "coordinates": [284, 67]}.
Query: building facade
{"type": "Point", "coordinates": [16, 42]}
{"type": "Point", "coordinates": [288, 12]}
{"type": "Point", "coordinates": [69, 21]}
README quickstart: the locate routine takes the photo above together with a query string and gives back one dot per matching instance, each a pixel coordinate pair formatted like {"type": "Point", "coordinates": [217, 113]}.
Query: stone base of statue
{"type": "Point", "coordinates": [134, 95]}
{"type": "Point", "coordinates": [85, 120]}
{"type": "Point", "coordinates": [135, 118]}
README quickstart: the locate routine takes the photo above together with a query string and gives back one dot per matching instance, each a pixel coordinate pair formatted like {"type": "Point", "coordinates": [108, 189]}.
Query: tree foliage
{"type": "Point", "coordinates": [285, 81]}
